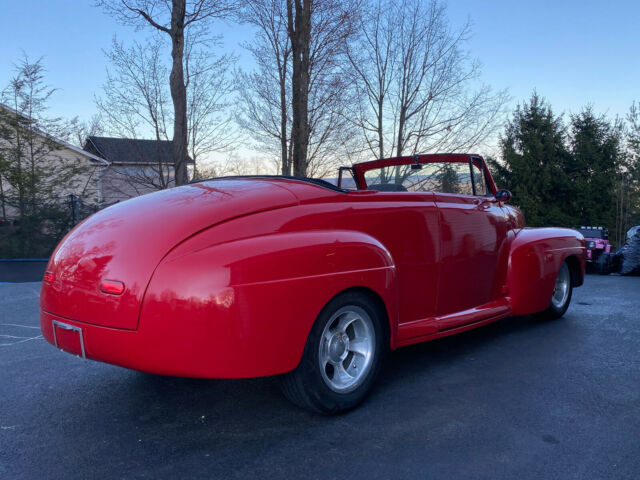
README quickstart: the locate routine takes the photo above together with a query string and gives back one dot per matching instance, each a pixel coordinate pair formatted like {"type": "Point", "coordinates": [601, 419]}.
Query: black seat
{"type": "Point", "coordinates": [387, 187]}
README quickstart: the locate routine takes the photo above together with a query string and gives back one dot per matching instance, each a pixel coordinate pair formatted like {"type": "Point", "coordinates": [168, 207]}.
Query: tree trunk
{"type": "Point", "coordinates": [2, 201]}
{"type": "Point", "coordinates": [18, 150]}
{"type": "Point", "coordinates": [178, 92]}
{"type": "Point", "coordinates": [401, 121]}
{"type": "Point", "coordinates": [380, 130]}
{"type": "Point", "coordinates": [286, 159]}
{"type": "Point", "coordinates": [300, 35]}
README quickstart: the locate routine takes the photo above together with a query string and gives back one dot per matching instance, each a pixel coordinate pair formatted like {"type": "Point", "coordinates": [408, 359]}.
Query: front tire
{"type": "Point", "coordinates": [561, 297]}
{"type": "Point", "coordinates": [342, 356]}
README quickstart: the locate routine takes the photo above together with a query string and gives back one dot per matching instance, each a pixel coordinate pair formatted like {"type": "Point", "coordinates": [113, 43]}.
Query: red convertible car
{"type": "Point", "coordinates": [254, 276]}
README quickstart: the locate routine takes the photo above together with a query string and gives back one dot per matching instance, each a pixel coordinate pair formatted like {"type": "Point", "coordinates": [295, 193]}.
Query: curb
{"type": "Point", "coordinates": [24, 259]}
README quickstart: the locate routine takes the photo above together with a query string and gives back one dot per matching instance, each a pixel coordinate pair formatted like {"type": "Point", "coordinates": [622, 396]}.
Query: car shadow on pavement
{"type": "Point", "coordinates": [102, 409]}
{"type": "Point", "coordinates": [418, 360]}
{"type": "Point", "coordinates": [149, 400]}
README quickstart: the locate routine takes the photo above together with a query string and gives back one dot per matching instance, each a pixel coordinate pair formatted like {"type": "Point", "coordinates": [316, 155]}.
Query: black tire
{"type": "Point", "coordinates": [557, 309]}
{"type": "Point", "coordinates": [308, 387]}
{"type": "Point", "coordinates": [603, 266]}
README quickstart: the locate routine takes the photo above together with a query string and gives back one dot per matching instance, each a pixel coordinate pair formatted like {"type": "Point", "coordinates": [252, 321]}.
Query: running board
{"type": "Point", "coordinates": [439, 326]}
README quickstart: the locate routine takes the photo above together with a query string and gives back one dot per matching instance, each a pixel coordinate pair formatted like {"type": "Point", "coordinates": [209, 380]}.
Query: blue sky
{"type": "Point", "coordinates": [573, 52]}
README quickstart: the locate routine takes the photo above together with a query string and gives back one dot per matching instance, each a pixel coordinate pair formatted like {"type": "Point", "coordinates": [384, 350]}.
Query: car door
{"type": "Point", "coordinates": [405, 219]}
{"type": "Point", "coordinates": [473, 235]}
{"type": "Point", "coordinates": [407, 223]}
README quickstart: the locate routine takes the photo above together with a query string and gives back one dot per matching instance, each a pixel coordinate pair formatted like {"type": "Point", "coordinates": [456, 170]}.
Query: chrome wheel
{"type": "Point", "coordinates": [347, 347]}
{"type": "Point", "coordinates": [562, 287]}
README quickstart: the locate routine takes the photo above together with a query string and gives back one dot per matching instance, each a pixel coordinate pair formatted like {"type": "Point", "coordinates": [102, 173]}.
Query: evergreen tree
{"type": "Point", "coordinates": [450, 183]}
{"type": "Point", "coordinates": [34, 179]}
{"type": "Point", "coordinates": [593, 167]}
{"type": "Point", "coordinates": [534, 160]}
{"type": "Point", "coordinates": [628, 189]}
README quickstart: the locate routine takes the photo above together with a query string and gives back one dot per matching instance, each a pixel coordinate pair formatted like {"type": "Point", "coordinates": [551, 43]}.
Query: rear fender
{"type": "Point", "coordinates": [253, 301]}
{"type": "Point", "coordinates": [535, 258]}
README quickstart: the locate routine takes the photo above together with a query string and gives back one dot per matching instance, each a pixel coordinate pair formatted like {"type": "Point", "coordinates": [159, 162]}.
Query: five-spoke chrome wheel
{"type": "Point", "coordinates": [562, 287]}
{"type": "Point", "coordinates": [343, 355]}
{"type": "Point", "coordinates": [347, 346]}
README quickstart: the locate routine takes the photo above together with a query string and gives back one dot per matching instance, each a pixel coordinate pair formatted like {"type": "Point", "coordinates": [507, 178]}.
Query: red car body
{"type": "Point", "coordinates": [225, 278]}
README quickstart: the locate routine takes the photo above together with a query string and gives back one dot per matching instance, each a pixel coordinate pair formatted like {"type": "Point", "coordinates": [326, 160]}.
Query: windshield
{"type": "Point", "coordinates": [442, 177]}
{"type": "Point", "coordinates": [593, 232]}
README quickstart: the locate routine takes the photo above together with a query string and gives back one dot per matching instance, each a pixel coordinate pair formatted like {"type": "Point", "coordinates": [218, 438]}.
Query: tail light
{"type": "Point", "coordinates": [112, 287]}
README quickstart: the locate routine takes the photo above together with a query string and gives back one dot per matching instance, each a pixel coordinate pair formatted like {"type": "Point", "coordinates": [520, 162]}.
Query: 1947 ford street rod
{"type": "Point", "coordinates": [254, 276]}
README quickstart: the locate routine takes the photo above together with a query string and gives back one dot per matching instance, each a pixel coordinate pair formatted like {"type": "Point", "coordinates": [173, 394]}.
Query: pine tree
{"type": "Point", "coordinates": [628, 188]}
{"type": "Point", "coordinates": [450, 183]}
{"type": "Point", "coordinates": [33, 177]}
{"type": "Point", "coordinates": [533, 164]}
{"type": "Point", "coordinates": [593, 167]}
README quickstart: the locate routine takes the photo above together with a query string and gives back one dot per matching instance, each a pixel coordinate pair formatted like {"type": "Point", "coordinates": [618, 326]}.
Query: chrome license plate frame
{"type": "Point", "coordinates": [66, 326]}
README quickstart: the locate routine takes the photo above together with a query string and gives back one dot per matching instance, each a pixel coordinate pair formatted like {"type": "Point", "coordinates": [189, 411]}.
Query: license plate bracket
{"type": "Point", "coordinates": [67, 329]}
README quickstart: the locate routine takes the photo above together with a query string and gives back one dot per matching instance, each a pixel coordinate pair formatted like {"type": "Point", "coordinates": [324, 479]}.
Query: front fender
{"type": "Point", "coordinates": [535, 258]}
{"type": "Point", "coordinates": [244, 308]}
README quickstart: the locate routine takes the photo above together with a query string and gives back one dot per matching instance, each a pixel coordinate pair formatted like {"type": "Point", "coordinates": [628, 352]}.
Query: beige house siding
{"type": "Point", "coordinates": [101, 182]}
{"type": "Point", "coordinates": [137, 166]}
{"type": "Point", "coordinates": [119, 182]}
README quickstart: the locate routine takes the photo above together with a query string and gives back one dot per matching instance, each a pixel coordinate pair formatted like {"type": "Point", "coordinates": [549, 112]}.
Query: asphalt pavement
{"type": "Point", "coordinates": [518, 399]}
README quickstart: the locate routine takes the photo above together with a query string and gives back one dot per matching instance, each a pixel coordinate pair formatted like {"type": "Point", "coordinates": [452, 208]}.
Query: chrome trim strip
{"type": "Point", "coordinates": [66, 326]}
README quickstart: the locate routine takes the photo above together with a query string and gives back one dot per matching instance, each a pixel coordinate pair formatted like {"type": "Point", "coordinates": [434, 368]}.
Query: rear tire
{"type": "Point", "coordinates": [561, 297]}
{"type": "Point", "coordinates": [342, 357]}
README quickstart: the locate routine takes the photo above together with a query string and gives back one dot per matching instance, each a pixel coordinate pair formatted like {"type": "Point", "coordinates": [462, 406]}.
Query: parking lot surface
{"type": "Point", "coordinates": [519, 399]}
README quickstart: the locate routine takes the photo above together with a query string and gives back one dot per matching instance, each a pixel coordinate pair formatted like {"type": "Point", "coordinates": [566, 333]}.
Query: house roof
{"type": "Point", "coordinates": [62, 143]}
{"type": "Point", "coordinates": [131, 150]}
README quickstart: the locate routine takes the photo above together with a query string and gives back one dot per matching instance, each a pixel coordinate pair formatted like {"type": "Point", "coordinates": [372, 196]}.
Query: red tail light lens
{"type": "Point", "coordinates": [48, 277]}
{"type": "Point", "coordinates": [112, 287]}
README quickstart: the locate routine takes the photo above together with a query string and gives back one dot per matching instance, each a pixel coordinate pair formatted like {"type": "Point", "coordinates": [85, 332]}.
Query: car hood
{"type": "Point", "coordinates": [126, 241]}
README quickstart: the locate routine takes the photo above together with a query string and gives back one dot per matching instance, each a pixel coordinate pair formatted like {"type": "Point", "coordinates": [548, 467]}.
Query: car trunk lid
{"type": "Point", "coordinates": [124, 243]}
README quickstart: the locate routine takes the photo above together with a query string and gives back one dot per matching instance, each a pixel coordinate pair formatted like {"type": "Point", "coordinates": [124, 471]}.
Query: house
{"type": "Point", "coordinates": [45, 153]}
{"type": "Point", "coordinates": [135, 166]}
{"type": "Point", "coordinates": [106, 170]}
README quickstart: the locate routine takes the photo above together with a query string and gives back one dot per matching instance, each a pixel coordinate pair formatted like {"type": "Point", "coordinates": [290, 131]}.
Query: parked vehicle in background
{"type": "Point", "coordinates": [254, 276]}
{"type": "Point", "coordinates": [626, 259]}
{"type": "Point", "coordinates": [596, 241]}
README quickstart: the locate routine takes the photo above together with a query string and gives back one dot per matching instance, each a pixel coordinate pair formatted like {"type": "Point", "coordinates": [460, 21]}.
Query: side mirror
{"type": "Point", "coordinates": [503, 195]}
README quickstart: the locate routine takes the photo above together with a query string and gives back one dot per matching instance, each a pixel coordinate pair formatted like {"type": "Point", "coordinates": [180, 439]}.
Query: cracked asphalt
{"type": "Point", "coordinates": [515, 399]}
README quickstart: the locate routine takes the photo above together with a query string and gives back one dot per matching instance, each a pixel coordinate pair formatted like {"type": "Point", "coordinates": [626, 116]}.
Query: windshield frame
{"type": "Point", "coordinates": [360, 169]}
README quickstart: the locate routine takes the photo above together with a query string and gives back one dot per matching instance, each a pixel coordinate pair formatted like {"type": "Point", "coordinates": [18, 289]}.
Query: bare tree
{"type": "Point", "coordinates": [137, 103]}
{"type": "Point", "coordinates": [209, 92]}
{"type": "Point", "coordinates": [174, 18]}
{"type": "Point", "coordinates": [330, 133]}
{"type": "Point", "coordinates": [233, 165]}
{"type": "Point", "coordinates": [299, 29]}
{"type": "Point", "coordinates": [267, 93]}
{"type": "Point", "coordinates": [413, 82]}
{"type": "Point", "coordinates": [79, 130]}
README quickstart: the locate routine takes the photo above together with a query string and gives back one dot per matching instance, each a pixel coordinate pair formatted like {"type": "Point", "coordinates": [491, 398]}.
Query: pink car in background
{"type": "Point", "coordinates": [596, 240]}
